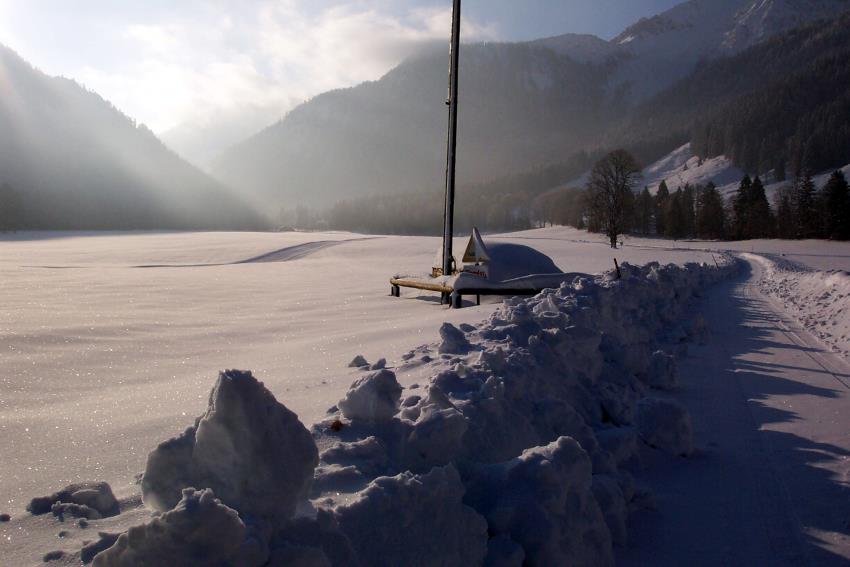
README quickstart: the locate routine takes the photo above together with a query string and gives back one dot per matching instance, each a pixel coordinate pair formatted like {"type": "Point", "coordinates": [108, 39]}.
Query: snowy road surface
{"type": "Point", "coordinates": [771, 412]}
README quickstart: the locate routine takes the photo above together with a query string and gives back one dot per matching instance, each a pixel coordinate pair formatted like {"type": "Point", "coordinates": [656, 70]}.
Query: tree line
{"type": "Point", "coordinates": [609, 204]}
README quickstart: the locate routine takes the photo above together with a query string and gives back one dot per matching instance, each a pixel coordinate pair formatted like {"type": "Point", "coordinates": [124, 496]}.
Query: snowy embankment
{"type": "Point", "coordinates": [516, 451]}
{"type": "Point", "coordinates": [819, 300]}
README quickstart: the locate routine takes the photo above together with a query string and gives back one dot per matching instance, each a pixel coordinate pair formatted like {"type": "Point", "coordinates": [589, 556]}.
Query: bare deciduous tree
{"type": "Point", "coordinates": [610, 193]}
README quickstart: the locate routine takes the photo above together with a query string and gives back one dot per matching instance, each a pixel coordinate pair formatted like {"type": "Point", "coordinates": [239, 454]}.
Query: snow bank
{"type": "Point", "coordinates": [543, 501]}
{"type": "Point", "coordinates": [247, 447]}
{"type": "Point", "coordinates": [415, 520]}
{"type": "Point", "coordinates": [511, 454]}
{"type": "Point", "coordinates": [200, 530]}
{"type": "Point", "coordinates": [538, 407]}
{"type": "Point", "coordinates": [818, 300]}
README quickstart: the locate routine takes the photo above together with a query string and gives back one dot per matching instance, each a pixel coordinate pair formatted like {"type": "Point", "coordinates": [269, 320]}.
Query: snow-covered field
{"type": "Point", "coordinates": [110, 343]}
{"type": "Point", "coordinates": [102, 358]}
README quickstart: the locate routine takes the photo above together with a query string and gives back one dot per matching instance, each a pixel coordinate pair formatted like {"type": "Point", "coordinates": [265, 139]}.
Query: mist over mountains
{"type": "Point", "coordinates": [735, 77]}
{"type": "Point", "coordinates": [73, 161]}
{"type": "Point", "coordinates": [523, 106]}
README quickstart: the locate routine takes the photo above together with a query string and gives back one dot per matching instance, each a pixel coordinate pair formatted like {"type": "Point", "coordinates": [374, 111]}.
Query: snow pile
{"type": "Point", "coordinates": [542, 502]}
{"type": "Point", "coordinates": [538, 408]}
{"type": "Point", "coordinates": [200, 530]}
{"type": "Point", "coordinates": [415, 520]}
{"type": "Point", "coordinates": [247, 447]}
{"type": "Point", "coordinates": [372, 398]}
{"type": "Point", "coordinates": [818, 300]}
{"type": "Point", "coordinates": [514, 452]}
{"type": "Point", "coordinates": [453, 340]}
{"type": "Point", "coordinates": [90, 500]}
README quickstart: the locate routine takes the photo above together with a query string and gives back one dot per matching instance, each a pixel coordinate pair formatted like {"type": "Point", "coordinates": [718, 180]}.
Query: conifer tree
{"type": "Point", "coordinates": [741, 207]}
{"type": "Point", "coordinates": [785, 223]}
{"type": "Point", "coordinates": [760, 218]}
{"type": "Point", "coordinates": [661, 198]}
{"type": "Point", "coordinates": [836, 201]}
{"type": "Point", "coordinates": [711, 214]}
{"type": "Point", "coordinates": [689, 211]}
{"type": "Point", "coordinates": [675, 220]}
{"type": "Point", "coordinates": [805, 206]}
{"type": "Point", "coordinates": [644, 208]}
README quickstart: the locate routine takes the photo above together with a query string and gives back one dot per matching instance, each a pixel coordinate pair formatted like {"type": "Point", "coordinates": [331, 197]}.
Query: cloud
{"type": "Point", "coordinates": [270, 54]}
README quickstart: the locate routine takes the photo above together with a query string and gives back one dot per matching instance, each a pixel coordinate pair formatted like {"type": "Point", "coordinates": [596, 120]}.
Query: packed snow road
{"type": "Point", "coordinates": [771, 413]}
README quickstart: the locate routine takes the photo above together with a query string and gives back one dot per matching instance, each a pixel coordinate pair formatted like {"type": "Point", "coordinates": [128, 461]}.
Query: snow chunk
{"type": "Point", "coordinates": [663, 371]}
{"type": "Point", "coordinates": [373, 398]}
{"type": "Point", "coordinates": [543, 500]}
{"type": "Point", "coordinates": [415, 520]}
{"type": "Point", "coordinates": [359, 361]}
{"type": "Point", "coordinates": [92, 500]}
{"type": "Point", "coordinates": [666, 425]}
{"type": "Point", "coordinates": [200, 531]}
{"type": "Point", "coordinates": [250, 449]}
{"type": "Point", "coordinates": [453, 340]}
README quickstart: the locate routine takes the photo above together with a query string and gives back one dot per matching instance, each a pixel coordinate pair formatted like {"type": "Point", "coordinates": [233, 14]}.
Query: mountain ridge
{"type": "Point", "coordinates": [76, 161]}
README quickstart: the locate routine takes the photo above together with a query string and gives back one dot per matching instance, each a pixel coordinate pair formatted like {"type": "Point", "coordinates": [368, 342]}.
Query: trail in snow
{"type": "Point", "coordinates": [771, 413]}
{"type": "Point", "coordinates": [819, 300]}
{"type": "Point", "coordinates": [288, 254]}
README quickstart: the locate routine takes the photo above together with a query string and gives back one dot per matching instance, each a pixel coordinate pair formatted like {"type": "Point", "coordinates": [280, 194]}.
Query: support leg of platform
{"type": "Point", "coordinates": [478, 299]}
{"type": "Point", "coordinates": [457, 300]}
{"type": "Point", "coordinates": [395, 291]}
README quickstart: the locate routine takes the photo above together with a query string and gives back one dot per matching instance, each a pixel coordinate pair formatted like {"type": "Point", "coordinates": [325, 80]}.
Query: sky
{"type": "Point", "coordinates": [167, 63]}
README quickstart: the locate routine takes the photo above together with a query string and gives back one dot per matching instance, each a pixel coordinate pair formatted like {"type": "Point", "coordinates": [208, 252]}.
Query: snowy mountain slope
{"type": "Point", "coordinates": [524, 106]}
{"type": "Point", "coordinates": [765, 18]}
{"type": "Point", "coordinates": [682, 167]}
{"type": "Point", "coordinates": [582, 47]}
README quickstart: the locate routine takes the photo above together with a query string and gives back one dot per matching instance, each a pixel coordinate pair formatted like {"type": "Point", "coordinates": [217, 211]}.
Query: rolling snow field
{"type": "Point", "coordinates": [110, 344]}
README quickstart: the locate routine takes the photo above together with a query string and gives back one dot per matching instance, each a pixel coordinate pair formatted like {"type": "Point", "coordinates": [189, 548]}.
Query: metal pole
{"type": "Point", "coordinates": [448, 222]}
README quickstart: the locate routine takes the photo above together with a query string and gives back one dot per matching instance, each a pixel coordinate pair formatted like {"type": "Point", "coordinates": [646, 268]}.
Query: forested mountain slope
{"type": "Point", "coordinates": [776, 106]}
{"type": "Point", "coordinates": [521, 106]}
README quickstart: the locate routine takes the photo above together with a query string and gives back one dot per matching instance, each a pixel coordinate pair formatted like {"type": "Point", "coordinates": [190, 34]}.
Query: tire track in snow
{"type": "Point", "coordinates": [287, 254]}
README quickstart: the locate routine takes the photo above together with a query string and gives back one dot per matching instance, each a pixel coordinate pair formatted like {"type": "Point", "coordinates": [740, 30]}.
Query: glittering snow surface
{"type": "Point", "coordinates": [514, 421]}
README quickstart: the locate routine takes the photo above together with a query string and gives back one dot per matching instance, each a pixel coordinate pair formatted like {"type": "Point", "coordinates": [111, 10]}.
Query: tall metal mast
{"type": "Point", "coordinates": [448, 221]}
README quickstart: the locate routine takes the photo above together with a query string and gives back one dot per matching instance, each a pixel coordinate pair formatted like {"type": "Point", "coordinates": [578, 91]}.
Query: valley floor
{"type": "Point", "coordinates": [110, 344]}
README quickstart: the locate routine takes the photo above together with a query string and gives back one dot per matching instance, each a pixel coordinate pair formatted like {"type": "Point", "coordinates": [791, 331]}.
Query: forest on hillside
{"type": "Point", "coordinates": [749, 107]}
{"type": "Point", "coordinates": [800, 210]}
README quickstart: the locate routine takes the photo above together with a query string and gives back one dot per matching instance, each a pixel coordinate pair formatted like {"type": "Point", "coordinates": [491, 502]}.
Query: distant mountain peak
{"type": "Point", "coordinates": [648, 27]}
{"type": "Point", "coordinates": [762, 19]}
